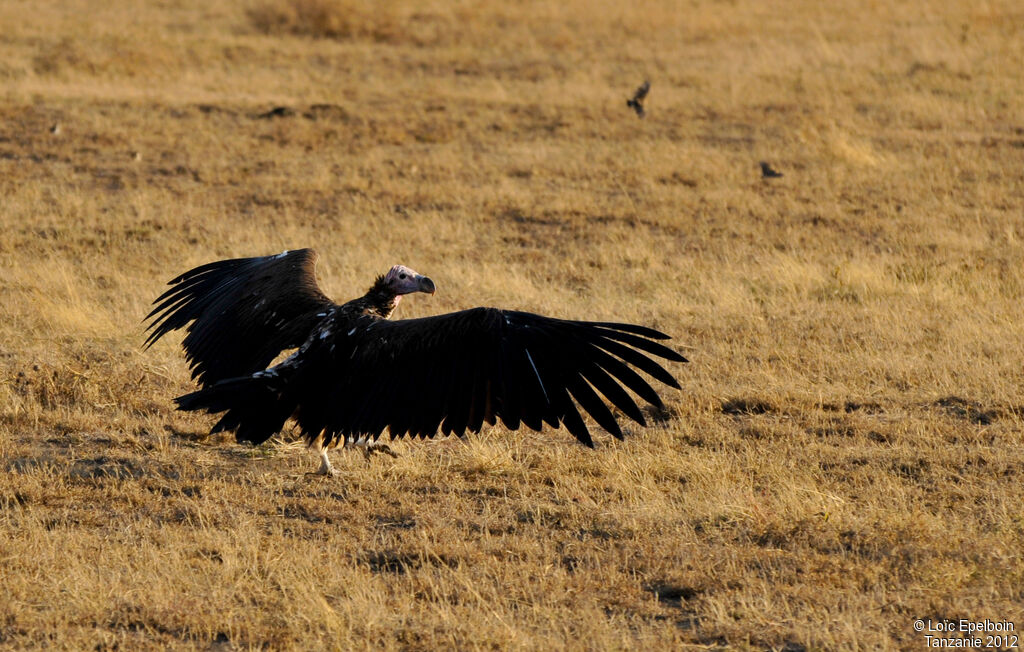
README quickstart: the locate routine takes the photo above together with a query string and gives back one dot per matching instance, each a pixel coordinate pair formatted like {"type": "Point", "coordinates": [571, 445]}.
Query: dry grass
{"type": "Point", "coordinates": [846, 453]}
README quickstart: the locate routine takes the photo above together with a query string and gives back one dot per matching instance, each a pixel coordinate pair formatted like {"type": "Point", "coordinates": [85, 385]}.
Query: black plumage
{"type": "Point", "coordinates": [637, 101]}
{"type": "Point", "coordinates": [243, 312]}
{"type": "Point", "coordinates": [356, 373]}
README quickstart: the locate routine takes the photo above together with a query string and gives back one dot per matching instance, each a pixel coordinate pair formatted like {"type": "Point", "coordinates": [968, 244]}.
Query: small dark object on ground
{"type": "Point", "coordinates": [767, 172]}
{"type": "Point", "coordinates": [276, 112]}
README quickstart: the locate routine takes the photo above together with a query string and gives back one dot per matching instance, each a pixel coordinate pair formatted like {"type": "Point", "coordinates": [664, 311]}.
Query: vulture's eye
{"type": "Point", "coordinates": [402, 276]}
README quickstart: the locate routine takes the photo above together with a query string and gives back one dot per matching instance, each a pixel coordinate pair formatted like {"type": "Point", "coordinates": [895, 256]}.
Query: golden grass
{"type": "Point", "coordinates": [845, 456]}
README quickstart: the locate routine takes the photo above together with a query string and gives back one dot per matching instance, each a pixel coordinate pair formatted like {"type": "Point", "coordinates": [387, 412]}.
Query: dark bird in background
{"type": "Point", "coordinates": [767, 172]}
{"type": "Point", "coordinates": [355, 372]}
{"type": "Point", "coordinates": [637, 103]}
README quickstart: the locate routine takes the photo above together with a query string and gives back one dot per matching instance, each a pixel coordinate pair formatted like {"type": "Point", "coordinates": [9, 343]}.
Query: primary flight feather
{"type": "Point", "coordinates": [356, 373]}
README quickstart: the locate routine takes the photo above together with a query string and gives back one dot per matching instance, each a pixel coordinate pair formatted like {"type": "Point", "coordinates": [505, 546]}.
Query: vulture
{"type": "Point", "coordinates": [354, 372]}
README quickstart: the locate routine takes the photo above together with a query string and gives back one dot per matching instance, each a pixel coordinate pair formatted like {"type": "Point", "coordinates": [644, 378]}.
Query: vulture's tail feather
{"type": "Point", "coordinates": [255, 406]}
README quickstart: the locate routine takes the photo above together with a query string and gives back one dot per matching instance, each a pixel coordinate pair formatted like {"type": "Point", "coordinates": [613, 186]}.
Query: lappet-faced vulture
{"type": "Point", "coordinates": [356, 373]}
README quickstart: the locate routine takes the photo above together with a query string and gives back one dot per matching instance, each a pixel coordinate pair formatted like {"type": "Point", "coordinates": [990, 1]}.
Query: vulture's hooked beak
{"type": "Point", "coordinates": [426, 285]}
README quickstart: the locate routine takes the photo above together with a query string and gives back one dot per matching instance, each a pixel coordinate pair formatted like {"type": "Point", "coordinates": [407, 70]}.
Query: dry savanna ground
{"type": "Point", "coordinates": [845, 455]}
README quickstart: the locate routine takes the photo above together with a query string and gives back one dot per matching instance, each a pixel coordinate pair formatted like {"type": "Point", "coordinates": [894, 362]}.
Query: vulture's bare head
{"type": "Point", "coordinates": [402, 280]}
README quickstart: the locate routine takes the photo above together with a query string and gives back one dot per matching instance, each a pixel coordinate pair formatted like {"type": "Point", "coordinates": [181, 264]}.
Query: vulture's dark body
{"type": "Point", "coordinates": [357, 373]}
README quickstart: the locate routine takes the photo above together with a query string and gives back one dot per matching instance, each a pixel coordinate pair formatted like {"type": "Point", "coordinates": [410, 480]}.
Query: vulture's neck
{"type": "Point", "coordinates": [380, 300]}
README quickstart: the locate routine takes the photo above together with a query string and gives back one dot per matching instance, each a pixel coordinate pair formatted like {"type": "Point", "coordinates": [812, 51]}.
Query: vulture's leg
{"type": "Point", "coordinates": [379, 447]}
{"type": "Point", "coordinates": [325, 464]}
{"type": "Point", "coordinates": [371, 446]}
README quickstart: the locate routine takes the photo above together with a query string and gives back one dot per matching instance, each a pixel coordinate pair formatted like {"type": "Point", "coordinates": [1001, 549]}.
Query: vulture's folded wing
{"type": "Point", "coordinates": [453, 372]}
{"type": "Point", "coordinates": [243, 312]}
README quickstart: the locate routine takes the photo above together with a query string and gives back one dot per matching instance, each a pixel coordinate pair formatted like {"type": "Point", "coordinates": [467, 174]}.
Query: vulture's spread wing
{"type": "Point", "coordinates": [243, 312]}
{"type": "Point", "coordinates": [458, 370]}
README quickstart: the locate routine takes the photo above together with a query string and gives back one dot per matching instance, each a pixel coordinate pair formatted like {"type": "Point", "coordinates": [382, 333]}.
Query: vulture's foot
{"type": "Point", "coordinates": [325, 465]}
{"type": "Point", "coordinates": [370, 446]}
{"type": "Point", "coordinates": [373, 447]}
{"type": "Point", "coordinates": [329, 472]}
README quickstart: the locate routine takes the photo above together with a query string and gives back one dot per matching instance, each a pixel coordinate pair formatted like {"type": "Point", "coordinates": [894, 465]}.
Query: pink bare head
{"type": "Point", "coordinates": [403, 280]}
